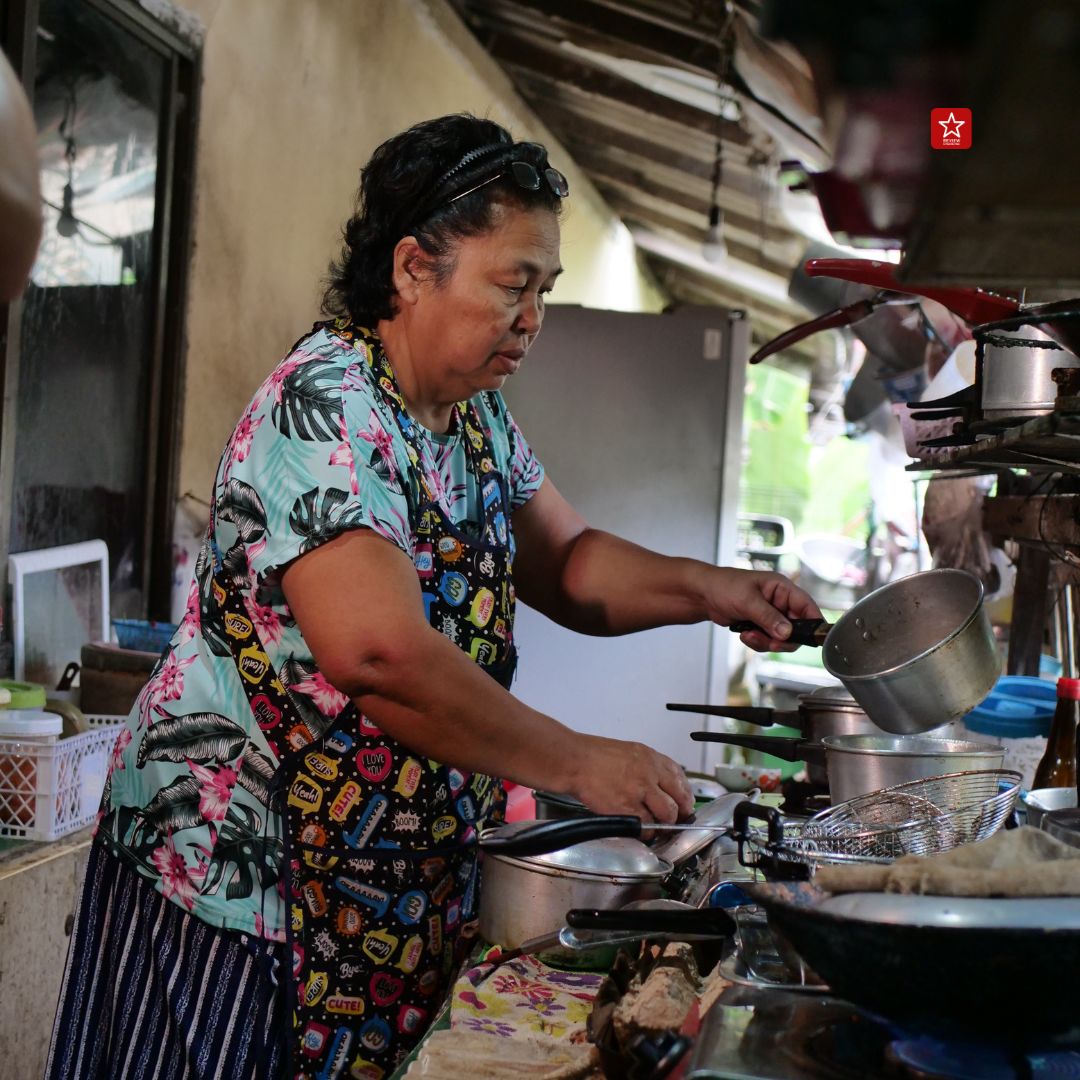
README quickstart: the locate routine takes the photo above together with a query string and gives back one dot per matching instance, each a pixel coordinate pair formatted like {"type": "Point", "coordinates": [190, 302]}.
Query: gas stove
{"type": "Point", "coordinates": [756, 1033]}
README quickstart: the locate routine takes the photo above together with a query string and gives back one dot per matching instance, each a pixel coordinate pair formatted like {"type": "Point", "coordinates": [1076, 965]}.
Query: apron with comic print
{"type": "Point", "coordinates": [380, 842]}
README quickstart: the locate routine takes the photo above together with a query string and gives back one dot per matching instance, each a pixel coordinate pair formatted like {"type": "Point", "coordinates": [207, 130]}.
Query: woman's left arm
{"type": "Point", "coordinates": [596, 583]}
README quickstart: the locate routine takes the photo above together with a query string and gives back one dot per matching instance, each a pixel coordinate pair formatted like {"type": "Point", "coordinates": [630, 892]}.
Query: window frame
{"type": "Point", "coordinates": [165, 346]}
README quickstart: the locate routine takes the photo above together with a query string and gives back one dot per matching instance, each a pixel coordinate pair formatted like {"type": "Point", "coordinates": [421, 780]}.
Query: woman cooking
{"type": "Point", "coordinates": [285, 875]}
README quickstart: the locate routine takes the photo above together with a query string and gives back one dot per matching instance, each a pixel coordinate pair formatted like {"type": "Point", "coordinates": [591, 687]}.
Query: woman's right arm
{"type": "Point", "coordinates": [358, 604]}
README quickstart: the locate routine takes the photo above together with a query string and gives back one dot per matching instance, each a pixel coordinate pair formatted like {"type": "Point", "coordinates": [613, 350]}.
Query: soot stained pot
{"type": "Point", "coordinates": [527, 897]}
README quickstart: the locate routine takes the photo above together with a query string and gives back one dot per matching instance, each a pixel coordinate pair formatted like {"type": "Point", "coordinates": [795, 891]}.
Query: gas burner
{"type": "Point", "coordinates": [935, 1059]}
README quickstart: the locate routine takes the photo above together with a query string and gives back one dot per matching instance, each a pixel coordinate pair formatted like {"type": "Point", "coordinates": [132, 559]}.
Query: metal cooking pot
{"type": "Point", "coordinates": [1040, 801]}
{"type": "Point", "coordinates": [916, 653]}
{"type": "Point", "coordinates": [857, 764]}
{"type": "Point", "coordinates": [1014, 372]}
{"type": "Point", "coordinates": [527, 896]}
{"type": "Point", "coordinates": [829, 710]}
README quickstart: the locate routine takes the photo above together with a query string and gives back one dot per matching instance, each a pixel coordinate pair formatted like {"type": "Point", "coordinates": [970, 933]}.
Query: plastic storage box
{"type": "Point", "coordinates": [143, 635]}
{"type": "Point", "coordinates": [50, 789]}
{"type": "Point", "coordinates": [1017, 715]}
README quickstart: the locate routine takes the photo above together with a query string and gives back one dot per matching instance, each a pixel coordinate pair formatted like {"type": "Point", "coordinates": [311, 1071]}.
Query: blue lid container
{"type": "Point", "coordinates": [1019, 707]}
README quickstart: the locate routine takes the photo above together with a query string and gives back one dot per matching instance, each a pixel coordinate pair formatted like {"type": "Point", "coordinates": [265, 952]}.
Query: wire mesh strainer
{"type": "Point", "coordinates": [920, 817]}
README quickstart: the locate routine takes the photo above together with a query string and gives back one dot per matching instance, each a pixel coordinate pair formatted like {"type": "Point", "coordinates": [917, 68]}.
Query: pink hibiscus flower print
{"type": "Point", "coordinates": [215, 789]}
{"type": "Point", "coordinates": [276, 379]}
{"type": "Point", "coordinates": [380, 438]}
{"type": "Point", "coordinates": [167, 684]}
{"type": "Point", "coordinates": [189, 624]}
{"type": "Point", "coordinates": [343, 455]}
{"type": "Point", "coordinates": [121, 743]}
{"type": "Point", "coordinates": [268, 625]}
{"type": "Point", "coordinates": [240, 446]}
{"type": "Point", "coordinates": [177, 880]}
{"type": "Point", "coordinates": [328, 699]}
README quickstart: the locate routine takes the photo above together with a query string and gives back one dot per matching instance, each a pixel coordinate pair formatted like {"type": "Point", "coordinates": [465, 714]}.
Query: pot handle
{"type": "Point", "coordinates": [696, 921]}
{"type": "Point", "coordinates": [844, 316]}
{"type": "Point", "coordinates": [788, 749]}
{"type": "Point", "coordinates": [560, 833]}
{"type": "Point", "coordinates": [748, 714]}
{"type": "Point", "coordinates": [972, 305]}
{"type": "Point", "coordinates": [769, 814]}
{"type": "Point", "coordinates": [803, 631]}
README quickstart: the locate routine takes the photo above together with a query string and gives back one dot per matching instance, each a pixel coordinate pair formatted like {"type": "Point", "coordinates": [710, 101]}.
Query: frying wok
{"type": "Point", "coordinates": [975, 973]}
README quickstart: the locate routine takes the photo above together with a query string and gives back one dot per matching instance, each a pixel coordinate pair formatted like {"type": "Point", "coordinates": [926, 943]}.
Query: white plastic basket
{"type": "Point", "coordinates": [104, 720]}
{"type": "Point", "coordinates": [48, 790]}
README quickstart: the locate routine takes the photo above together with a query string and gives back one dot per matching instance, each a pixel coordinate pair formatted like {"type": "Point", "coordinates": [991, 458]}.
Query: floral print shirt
{"type": "Point", "coordinates": [317, 452]}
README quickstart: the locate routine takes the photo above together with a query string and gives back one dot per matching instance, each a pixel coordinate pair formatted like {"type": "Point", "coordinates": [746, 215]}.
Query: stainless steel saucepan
{"type": "Point", "coordinates": [915, 654]}
{"type": "Point", "coordinates": [857, 764]}
{"type": "Point", "coordinates": [536, 871]}
{"type": "Point", "coordinates": [829, 710]}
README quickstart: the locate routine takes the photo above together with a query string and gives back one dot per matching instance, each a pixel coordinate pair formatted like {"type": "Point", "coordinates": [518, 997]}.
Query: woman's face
{"type": "Point", "coordinates": [472, 331]}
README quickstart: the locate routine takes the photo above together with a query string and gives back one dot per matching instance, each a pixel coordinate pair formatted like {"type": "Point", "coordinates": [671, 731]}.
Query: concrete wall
{"type": "Point", "coordinates": [39, 889]}
{"type": "Point", "coordinates": [295, 97]}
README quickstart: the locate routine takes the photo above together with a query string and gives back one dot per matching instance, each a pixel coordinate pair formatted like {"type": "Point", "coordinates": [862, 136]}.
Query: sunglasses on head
{"type": "Point", "coordinates": [527, 177]}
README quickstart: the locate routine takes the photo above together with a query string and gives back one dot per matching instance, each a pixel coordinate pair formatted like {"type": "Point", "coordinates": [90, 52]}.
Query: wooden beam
{"type": "Point", "coordinates": [552, 64]}
{"type": "Point", "coordinates": [597, 157]}
{"type": "Point", "coordinates": [1034, 518]}
{"type": "Point", "coordinates": [620, 190]}
{"type": "Point", "coordinates": [659, 43]}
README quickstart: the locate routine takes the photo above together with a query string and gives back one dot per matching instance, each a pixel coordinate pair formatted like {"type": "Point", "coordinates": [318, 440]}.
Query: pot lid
{"type": "Point", "coordinates": [830, 697]}
{"type": "Point", "coordinates": [619, 856]}
{"type": "Point", "coordinates": [718, 812]}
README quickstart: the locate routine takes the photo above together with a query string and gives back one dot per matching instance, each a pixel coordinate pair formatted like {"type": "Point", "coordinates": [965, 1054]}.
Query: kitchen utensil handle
{"type": "Point", "coordinates": [844, 316]}
{"type": "Point", "coordinates": [560, 833]}
{"type": "Point", "coordinates": [803, 631]}
{"type": "Point", "coordinates": [740, 820]}
{"type": "Point", "coordinates": [749, 714]}
{"type": "Point", "coordinates": [972, 305]}
{"type": "Point", "coordinates": [788, 749]}
{"type": "Point", "coordinates": [697, 921]}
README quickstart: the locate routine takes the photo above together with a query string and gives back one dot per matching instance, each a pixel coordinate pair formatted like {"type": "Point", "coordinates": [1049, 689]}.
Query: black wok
{"type": "Point", "coordinates": [997, 981]}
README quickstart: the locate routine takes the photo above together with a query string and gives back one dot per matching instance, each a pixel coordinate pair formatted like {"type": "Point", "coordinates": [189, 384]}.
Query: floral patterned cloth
{"type": "Point", "coordinates": [524, 997]}
{"type": "Point", "coordinates": [316, 453]}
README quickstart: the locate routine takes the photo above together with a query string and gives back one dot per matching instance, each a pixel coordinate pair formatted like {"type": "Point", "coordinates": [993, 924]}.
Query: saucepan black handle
{"type": "Point", "coordinates": [785, 748]}
{"type": "Point", "coordinates": [803, 631]}
{"type": "Point", "coordinates": [749, 714]}
{"type": "Point", "coordinates": [653, 921]}
{"type": "Point", "coordinates": [554, 835]}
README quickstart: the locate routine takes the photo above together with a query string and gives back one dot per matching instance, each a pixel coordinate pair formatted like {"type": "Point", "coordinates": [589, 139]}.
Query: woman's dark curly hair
{"type": "Point", "coordinates": [406, 188]}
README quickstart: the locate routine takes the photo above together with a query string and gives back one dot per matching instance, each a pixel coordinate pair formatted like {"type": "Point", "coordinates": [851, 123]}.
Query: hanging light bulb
{"type": "Point", "coordinates": [66, 225]}
{"type": "Point", "coordinates": [714, 249]}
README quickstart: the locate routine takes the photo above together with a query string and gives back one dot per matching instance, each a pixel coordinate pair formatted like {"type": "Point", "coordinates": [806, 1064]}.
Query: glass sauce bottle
{"type": "Point", "coordinates": [1058, 765]}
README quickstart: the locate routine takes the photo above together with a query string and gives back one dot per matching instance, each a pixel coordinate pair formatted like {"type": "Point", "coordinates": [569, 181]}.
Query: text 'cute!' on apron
{"type": "Point", "coordinates": [380, 842]}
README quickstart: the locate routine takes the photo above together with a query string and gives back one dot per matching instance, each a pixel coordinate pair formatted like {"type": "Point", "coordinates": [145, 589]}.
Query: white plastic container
{"type": "Point", "coordinates": [49, 787]}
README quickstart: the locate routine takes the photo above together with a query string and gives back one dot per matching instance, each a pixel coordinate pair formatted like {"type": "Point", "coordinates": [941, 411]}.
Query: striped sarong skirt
{"type": "Point", "coordinates": [153, 993]}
